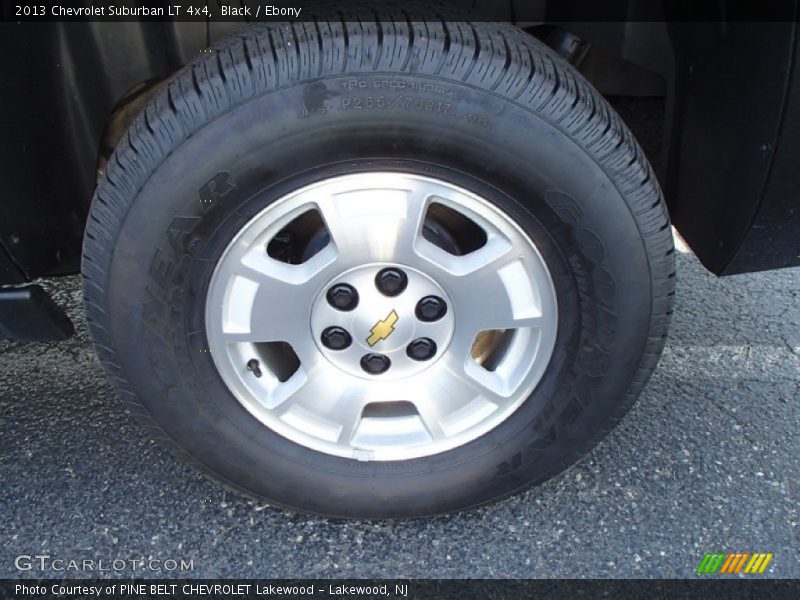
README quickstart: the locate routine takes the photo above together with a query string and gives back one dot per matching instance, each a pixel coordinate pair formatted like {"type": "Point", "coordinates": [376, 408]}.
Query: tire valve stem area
{"type": "Point", "coordinates": [254, 367]}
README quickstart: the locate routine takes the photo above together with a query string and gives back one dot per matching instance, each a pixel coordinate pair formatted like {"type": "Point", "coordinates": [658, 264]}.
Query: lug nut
{"type": "Point", "coordinates": [431, 308]}
{"type": "Point", "coordinates": [336, 338]}
{"type": "Point", "coordinates": [421, 349]}
{"type": "Point", "coordinates": [342, 296]}
{"type": "Point", "coordinates": [375, 364]}
{"type": "Point", "coordinates": [391, 281]}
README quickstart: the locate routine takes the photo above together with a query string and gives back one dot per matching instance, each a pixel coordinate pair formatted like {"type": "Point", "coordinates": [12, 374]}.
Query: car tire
{"type": "Point", "coordinates": [479, 112]}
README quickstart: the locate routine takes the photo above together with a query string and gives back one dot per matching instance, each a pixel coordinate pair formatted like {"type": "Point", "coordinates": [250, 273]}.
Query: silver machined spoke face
{"type": "Point", "coordinates": [381, 316]}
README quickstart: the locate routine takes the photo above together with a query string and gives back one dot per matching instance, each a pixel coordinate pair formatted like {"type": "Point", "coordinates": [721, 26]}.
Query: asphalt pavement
{"type": "Point", "coordinates": [707, 461]}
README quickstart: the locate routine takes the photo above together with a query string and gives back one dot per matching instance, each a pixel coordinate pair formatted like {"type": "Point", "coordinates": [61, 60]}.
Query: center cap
{"type": "Point", "coordinates": [386, 338]}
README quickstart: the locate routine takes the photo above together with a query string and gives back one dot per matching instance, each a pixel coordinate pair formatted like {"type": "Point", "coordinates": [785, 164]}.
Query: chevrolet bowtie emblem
{"type": "Point", "coordinates": [382, 329]}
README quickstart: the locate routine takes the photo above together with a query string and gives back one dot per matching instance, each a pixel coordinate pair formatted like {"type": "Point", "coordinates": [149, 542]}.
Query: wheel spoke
{"type": "Point", "coordinates": [377, 224]}
{"type": "Point", "coordinates": [491, 289]}
{"type": "Point", "coordinates": [268, 298]}
{"type": "Point", "coordinates": [461, 378]}
{"type": "Point", "coordinates": [323, 408]}
{"type": "Point", "coordinates": [456, 401]}
{"type": "Point", "coordinates": [431, 415]}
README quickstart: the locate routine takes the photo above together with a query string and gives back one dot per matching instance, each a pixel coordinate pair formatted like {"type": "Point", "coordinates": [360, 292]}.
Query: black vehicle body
{"type": "Point", "coordinates": [729, 154]}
